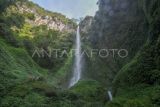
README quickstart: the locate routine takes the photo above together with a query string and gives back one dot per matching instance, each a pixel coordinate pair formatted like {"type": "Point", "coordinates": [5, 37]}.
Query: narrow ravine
{"type": "Point", "coordinates": [77, 63]}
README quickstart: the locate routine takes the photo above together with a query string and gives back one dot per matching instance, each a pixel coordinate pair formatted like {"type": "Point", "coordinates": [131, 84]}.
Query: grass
{"type": "Point", "coordinates": [141, 95]}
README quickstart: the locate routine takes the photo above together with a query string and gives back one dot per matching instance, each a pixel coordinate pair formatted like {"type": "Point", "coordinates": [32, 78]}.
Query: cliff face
{"type": "Point", "coordinates": [26, 24]}
{"type": "Point", "coordinates": [27, 81]}
{"type": "Point", "coordinates": [49, 19]}
{"type": "Point", "coordinates": [119, 24]}
{"type": "Point", "coordinates": [144, 68]}
{"type": "Point", "coordinates": [23, 83]}
{"type": "Point", "coordinates": [134, 26]}
{"type": "Point", "coordinates": [85, 26]}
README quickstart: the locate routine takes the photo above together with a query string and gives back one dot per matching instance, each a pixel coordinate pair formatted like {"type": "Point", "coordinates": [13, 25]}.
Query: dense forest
{"type": "Point", "coordinates": [30, 78]}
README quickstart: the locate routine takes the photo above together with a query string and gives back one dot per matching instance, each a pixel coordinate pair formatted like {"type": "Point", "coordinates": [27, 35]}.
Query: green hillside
{"type": "Point", "coordinates": [27, 81]}
{"type": "Point", "coordinates": [134, 26]}
{"type": "Point", "coordinates": [31, 76]}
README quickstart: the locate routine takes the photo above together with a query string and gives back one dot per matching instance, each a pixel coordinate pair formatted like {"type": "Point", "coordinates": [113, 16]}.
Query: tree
{"type": "Point", "coordinates": [5, 3]}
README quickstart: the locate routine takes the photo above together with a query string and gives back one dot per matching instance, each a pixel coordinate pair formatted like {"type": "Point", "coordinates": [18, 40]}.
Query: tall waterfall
{"type": "Point", "coordinates": [77, 63]}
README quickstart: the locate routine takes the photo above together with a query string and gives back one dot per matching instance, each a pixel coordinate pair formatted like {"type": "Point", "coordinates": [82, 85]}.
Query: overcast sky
{"type": "Point", "coordinates": [70, 8]}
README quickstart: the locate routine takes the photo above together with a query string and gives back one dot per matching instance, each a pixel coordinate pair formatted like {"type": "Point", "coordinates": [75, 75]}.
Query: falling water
{"type": "Point", "coordinates": [110, 95]}
{"type": "Point", "coordinates": [77, 64]}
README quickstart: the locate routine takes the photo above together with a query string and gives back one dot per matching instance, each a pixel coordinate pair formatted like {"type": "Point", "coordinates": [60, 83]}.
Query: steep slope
{"type": "Point", "coordinates": [28, 25]}
{"type": "Point", "coordinates": [38, 16]}
{"type": "Point", "coordinates": [37, 81]}
{"type": "Point", "coordinates": [131, 25]}
{"type": "Point", "coordinates": [19, 76]}
{"type": "Point", "coordinates": [25, 80]}
{"type": "Point", "coordinates": [144, 68]}
{"type": "Point", "coordinates": [117, 25]}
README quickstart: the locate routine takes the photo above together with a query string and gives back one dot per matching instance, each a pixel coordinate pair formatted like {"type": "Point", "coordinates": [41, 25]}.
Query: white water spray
{"type": "Point", "coordinates": [110, 95]}
{"type": "Point", "coordinates": [77, 64]}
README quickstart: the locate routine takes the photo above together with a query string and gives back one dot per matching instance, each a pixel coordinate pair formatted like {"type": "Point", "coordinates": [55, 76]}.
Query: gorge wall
{"type": "Point", "coordinates": [27, 81]}
{"type": "Point", "coordinates": [130, 25]}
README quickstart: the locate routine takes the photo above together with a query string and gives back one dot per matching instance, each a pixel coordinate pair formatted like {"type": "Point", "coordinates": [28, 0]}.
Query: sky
{"type": "Point", "coordinates": [70, 8]}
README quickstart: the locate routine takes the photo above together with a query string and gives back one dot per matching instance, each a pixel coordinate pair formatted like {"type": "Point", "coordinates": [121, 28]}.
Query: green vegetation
{"type": "Point", "coordinates": [43, 12]}
{"type": "Point", "coordinates": [27, 81]}
{"type": "Point", "coordinates": [18, 73]}
{"type": "Point", "coordinates": [137, 96]}
{"type": "Point", "coordinates": [90, 90]}
{"type": "Point", "coordinates": [131, 25]}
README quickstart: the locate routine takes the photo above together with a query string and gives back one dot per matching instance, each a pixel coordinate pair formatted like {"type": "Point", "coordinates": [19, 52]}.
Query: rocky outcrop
{"type": "Point", "coordinates": [119, 24]}
{"type": "Point", "coordinates": [85, 24]}
{"type": "Point", "coordinates": [50, 21]}
{"type": "Point", "coordinates": [85, 27]}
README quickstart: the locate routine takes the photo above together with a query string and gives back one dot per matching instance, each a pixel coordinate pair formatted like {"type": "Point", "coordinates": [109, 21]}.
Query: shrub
{"type": "Point", "coordinates": [30, 16]}
{"type": "Point", "coordinates": [90, 90]}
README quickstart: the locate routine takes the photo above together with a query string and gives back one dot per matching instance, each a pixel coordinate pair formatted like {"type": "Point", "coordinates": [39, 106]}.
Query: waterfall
{"type": "Point", "coordinates": [110, 95]}
{"type": "Point", "coordinates": [77, 63]}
